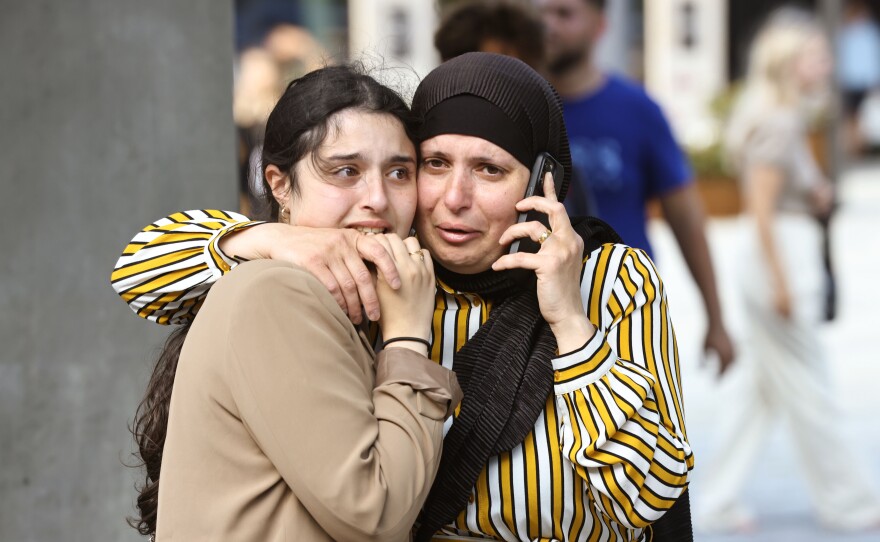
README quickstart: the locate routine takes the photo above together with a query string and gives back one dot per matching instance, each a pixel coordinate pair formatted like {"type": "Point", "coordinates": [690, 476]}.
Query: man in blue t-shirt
{"type": "Point", "coordinates": [624, 152]}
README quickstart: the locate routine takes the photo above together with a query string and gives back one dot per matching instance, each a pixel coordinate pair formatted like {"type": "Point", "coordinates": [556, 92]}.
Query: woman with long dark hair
{"type": "Point", "coordinates": [269, 417]}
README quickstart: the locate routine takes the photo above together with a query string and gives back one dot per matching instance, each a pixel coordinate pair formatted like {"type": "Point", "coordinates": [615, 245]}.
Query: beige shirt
{"type": "Point", "coordinates": [780, 141]}
{"type": "Point", "coordinates": [285, 426]}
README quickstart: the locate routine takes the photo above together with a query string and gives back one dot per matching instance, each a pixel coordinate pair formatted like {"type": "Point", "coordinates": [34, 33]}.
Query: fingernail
{"type": "Point", "coordinates": [395, 283]}
{"type": "Point", "coordinates": [374, 315]}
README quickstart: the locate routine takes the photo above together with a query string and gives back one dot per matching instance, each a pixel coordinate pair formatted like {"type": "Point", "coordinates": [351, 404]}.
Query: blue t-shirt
{"type": "Point", "coordinates": [623, 154]}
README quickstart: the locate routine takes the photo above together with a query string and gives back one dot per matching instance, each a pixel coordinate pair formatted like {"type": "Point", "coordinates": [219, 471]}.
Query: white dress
{"type": "Point", "coordinates": [784, 363]}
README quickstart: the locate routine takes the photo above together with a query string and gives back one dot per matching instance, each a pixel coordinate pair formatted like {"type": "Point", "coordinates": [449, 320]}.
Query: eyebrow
{"type": "Point", "coordinates": [483, 159]}
{"type": "Point", "coordinates": [438, 154]}
{"type": "Point", "coordinates": [402, 159]}
{"type": "Point", "coordinates": [355, 156]}
{"type": "Point", "coordinates": [345, 157]}
{"type": "Point", "coordinates": [488, 160]}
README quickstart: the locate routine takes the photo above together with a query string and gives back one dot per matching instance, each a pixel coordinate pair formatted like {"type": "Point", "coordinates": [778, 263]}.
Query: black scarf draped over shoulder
{"type": "Point", "coordinates": [506, 375]}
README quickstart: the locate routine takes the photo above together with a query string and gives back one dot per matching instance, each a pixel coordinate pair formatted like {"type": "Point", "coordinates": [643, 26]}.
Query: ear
{"type": "Point", "coordinates": [279, 183]}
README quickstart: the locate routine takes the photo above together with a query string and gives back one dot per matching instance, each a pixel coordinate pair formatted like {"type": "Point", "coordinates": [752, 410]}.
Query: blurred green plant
{"type": "Point", "coordinates": [708, 161]}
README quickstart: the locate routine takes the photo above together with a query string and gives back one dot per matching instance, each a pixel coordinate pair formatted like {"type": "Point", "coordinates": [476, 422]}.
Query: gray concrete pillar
{"type": "Point", "coordinates": [112, 114]}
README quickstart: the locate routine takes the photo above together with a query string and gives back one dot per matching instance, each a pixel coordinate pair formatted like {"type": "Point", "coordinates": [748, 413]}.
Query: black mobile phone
{"type": "Point", "coordinates": [545, 163]}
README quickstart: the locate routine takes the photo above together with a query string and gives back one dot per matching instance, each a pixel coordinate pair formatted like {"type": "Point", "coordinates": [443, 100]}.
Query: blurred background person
{"type": "Point", "coordinates": [491, 26]}
{"type": "Point", "coordinates": [506, 27]}
{"type": "Point", "coordinates": [784, 369]}
{"type": "Point", "coordinates": [858, 73]}
{"type": "Point", "coordinates": [625, 152]}
{"type": "Point", "coordinates": [273, 49]}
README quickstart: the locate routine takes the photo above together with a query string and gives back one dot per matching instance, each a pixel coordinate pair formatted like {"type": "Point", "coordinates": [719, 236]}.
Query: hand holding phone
{"type": "Point", "coordinates": [545, 163]}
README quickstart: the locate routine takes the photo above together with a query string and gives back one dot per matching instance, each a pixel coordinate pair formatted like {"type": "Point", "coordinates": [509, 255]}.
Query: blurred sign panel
{"type": "Point", "coordinates": [685, 63]}
{"type": "Point", "coordinates": [394, 33]}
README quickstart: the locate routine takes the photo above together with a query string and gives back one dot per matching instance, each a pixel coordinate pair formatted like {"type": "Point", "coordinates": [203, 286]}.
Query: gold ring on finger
{"type": "Point", "coordinates": [544, 237]}
{"type": "Point", "coordinates": [418, 253]}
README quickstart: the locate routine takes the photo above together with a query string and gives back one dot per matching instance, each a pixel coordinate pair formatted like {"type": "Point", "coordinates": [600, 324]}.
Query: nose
{"type": "Point", "coordinates": [459, 190]}
{"type": "Point", "coordinates": [376, 198]}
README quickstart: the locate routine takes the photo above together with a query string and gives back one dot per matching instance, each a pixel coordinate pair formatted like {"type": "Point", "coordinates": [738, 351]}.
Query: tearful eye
{"type": "Point", "coordinates": [492, 170]}
{"type": "Point", "coordinates": [400, 174]}
{"type": "Point", "coordinates": [432, 163]}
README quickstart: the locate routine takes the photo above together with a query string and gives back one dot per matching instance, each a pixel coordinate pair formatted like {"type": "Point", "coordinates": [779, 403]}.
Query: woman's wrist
{"type": "Point", "coordinates": [572, 333]}
{"type": "Point", "coordinates": [415, 343]}
{"type": "Point", "coordinates": [779, 281]}
{"type": "Point", "coordinates": [251, 243]}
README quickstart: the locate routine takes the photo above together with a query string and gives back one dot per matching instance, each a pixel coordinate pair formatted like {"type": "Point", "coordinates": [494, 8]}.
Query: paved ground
{"type": "Point", "coordinates": [777, 493]}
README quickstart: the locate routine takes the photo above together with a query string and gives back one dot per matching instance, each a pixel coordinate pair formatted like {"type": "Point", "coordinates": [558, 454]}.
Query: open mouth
{"type": "Point", "coordinates": [369, 231]}
{"type": "Point", "coordinates": [453, 234]}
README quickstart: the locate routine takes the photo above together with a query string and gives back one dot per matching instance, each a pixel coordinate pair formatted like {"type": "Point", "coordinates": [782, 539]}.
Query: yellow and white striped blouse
{"type": "Point", "coordinates": [608, 455]}
{"type": "Point", "coordinates": [165, 272]}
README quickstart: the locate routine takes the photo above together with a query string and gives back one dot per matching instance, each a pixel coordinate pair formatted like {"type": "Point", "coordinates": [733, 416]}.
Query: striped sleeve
{"type": "Point", "coordinates": [619, 396]}
{"type": "Point", "coordinates": [165, 272]}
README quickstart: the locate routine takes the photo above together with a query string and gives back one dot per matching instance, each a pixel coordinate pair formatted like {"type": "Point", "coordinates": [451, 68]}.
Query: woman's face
{"type": "Point", "coordinates": [468, 189]}
{"type": "Point", "coordinates": [363, 176]}
{"type": "Point", "coordinates": [814, 65]}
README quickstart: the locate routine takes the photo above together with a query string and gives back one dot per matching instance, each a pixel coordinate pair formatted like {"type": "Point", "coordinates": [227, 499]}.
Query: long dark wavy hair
{"type": "Point", "coordinates": [297, 126]}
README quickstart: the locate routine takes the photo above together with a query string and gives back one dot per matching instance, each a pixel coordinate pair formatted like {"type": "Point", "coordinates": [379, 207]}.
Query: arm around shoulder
{"type": "Point", "coordinates": [166, 270]}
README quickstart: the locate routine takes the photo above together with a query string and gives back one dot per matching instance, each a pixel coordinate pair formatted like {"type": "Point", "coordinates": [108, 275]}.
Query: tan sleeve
{"type": "Point", "coordinates": [361, 460]}
{"type": "Point", "coordinates": [403, 366]}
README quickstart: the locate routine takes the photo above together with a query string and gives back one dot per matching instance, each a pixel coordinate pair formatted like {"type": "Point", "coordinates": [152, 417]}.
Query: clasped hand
{"type": "Point", "coordinates": [407, 310]}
